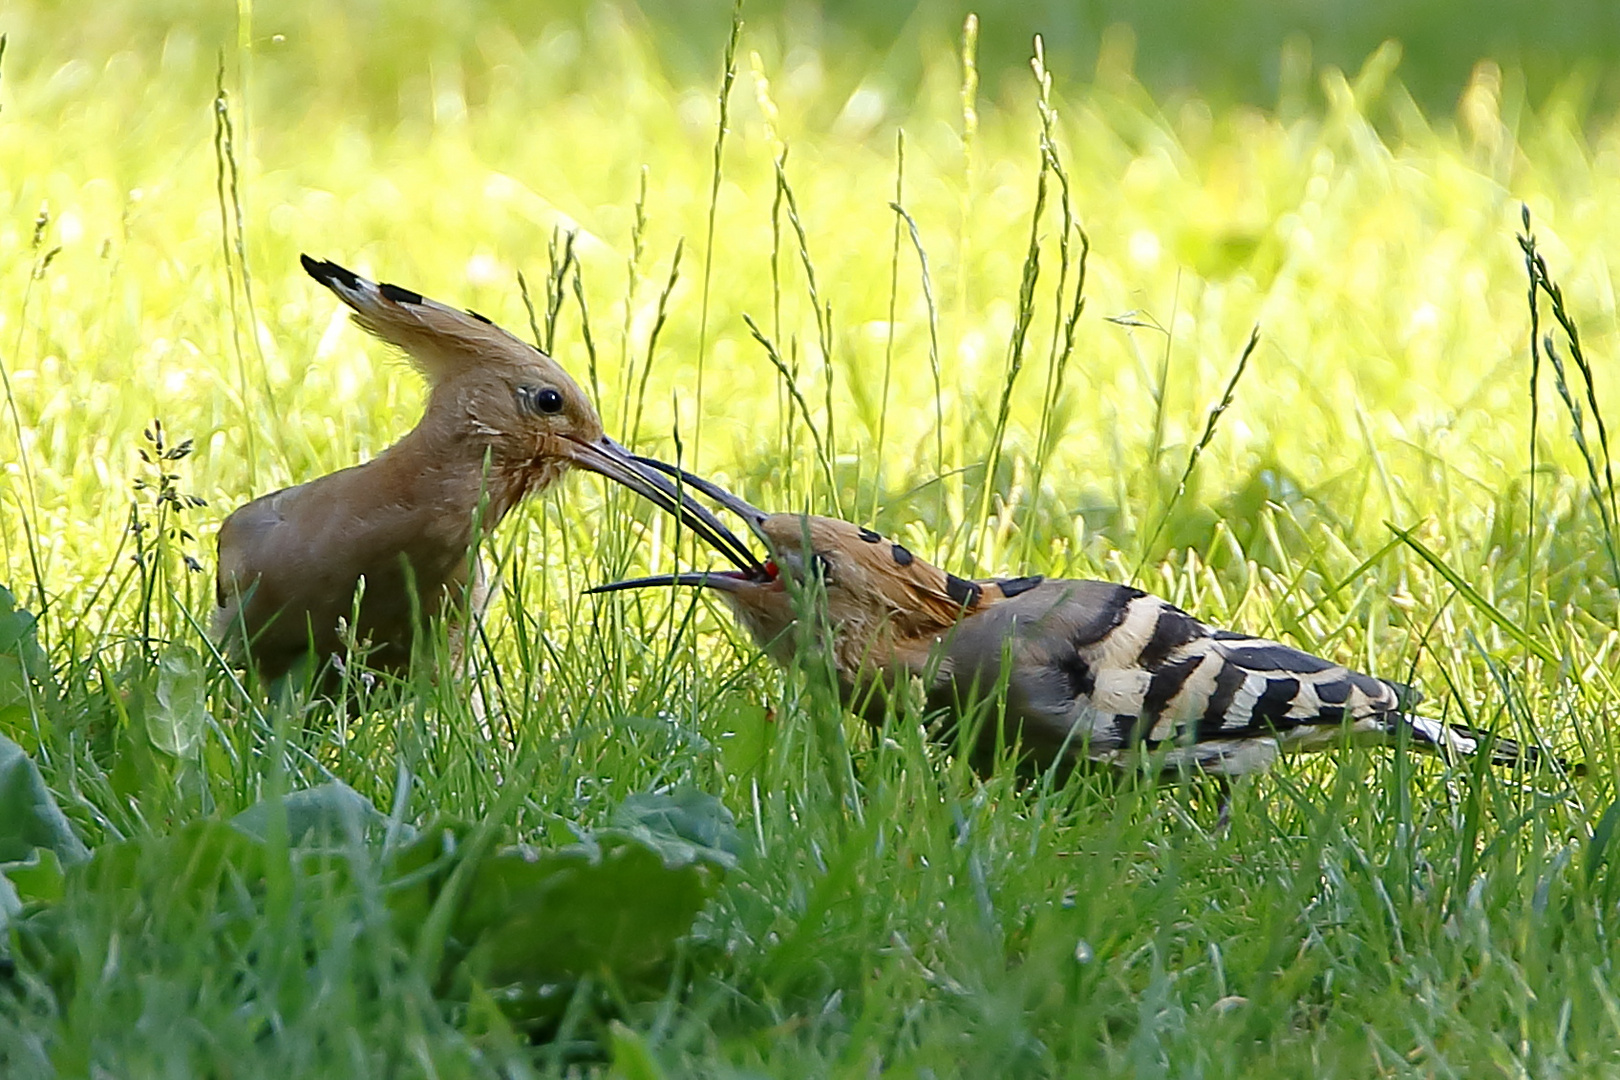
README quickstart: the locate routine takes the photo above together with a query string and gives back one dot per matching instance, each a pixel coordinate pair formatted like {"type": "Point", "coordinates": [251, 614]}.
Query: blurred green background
{"type": "Point", "coordinates": [1224, 50]}
{"type": "Point", "coordinates": [1233, 163]}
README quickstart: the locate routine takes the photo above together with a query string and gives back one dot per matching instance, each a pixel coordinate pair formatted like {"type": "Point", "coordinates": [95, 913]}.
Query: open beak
{"type": "Point", "coordinates": [724, 581]}
{"type": "Point", "coordinates": [750, 570]}
{"type": "Point", "coordinates": [751, 514]}
{"type": "Point", "coordinates": [649, 478]}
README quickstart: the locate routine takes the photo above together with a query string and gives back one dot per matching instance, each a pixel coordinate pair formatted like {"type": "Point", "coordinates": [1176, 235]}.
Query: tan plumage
{"type": "Point", "coordinates": [1092, 670]}
{"type": "Point", "coordinates": [503, 420]}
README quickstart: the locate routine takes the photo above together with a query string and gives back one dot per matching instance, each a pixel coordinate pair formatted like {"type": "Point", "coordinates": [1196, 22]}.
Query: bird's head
{"type": "Point", "coordinates": [496, 398]}
{"type": "Point", "coordinates": [877, 597]}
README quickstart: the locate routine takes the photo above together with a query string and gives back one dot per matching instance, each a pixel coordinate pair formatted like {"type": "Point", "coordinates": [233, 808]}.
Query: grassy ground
{"type": "Point", "coordinates": [1365, 913]}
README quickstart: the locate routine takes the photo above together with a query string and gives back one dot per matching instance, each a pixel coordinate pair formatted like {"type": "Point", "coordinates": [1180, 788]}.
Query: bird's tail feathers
{"type": "Point", "coordinates": [1459, 740]}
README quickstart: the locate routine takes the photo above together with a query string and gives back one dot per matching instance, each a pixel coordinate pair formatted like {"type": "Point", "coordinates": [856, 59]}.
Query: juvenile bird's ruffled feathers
{"type": "Point", "coordinates": [1092, 669]}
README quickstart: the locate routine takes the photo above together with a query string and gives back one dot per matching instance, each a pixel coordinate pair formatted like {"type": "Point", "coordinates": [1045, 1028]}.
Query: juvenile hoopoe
{"type": "Point", "coordinates": [503, 420]}
{"type": "Point", "coordinates": [1092, 670]}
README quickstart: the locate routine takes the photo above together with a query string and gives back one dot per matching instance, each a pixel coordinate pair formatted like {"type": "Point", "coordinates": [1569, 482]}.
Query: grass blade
{"type": "Point", "coordinates": [1472, 595]}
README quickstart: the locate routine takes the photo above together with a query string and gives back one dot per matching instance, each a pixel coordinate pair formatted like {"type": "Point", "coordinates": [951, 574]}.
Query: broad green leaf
{"type": "Point", "coordinates": [612, 908]}
{"type": "Point", "coordinates": [25, 671]}
{"type": "Point", "coordinates": [29, 816]}
{"type": "Point", "coordinates": [179, 713]}
{"type": "Point", "coordinates": [39, 878]}
{"type": "Point", "coordinates": [17, 629]}
{"type": "Point", "coordinates": [14, 685]}
{"type": "Point", "coordinates": [683, 825]}
{"type": "Point", "coordinates": [534, 924]}
{"type": "Point", "coordinates": [330, 812]}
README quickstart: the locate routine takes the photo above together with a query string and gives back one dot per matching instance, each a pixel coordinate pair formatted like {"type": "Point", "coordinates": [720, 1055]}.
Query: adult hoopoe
{"type": "Point", "coordinates": [503, 420]}
{"type": "Point", "coordinates": [1092, 670]}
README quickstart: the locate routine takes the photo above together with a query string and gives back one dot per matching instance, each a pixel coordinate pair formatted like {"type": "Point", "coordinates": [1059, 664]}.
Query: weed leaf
{"type": "Point", "coordinates": [24, 669]}
{"type": "Point", "coordinates": [330, 812]}
{"type": "Point", "coordinates": [180, 714]}
{"type": "Point", "coordinates": [684, 826]}
{"type": "Point", "coordinates": [29, 816]}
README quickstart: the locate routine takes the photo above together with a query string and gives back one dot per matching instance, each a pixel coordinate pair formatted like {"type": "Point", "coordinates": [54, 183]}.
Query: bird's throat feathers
{"type": "Point", "coordinates": [453, 468]}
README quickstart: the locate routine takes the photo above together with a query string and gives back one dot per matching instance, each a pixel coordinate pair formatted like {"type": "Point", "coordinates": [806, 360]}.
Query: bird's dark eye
{"type": "Point", "coordinates": [822, 566]}
{"type": "Point", "coordinates": [544, 399]}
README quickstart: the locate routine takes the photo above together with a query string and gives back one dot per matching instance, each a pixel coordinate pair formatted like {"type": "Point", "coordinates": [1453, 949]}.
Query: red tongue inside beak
{"type": "Point", "coordinates": [768, 573]}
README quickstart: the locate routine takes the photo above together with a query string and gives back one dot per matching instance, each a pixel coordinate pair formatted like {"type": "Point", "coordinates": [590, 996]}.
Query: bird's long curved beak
{"type": "Point", "coordinates": [751, 572]}
{"type": "Point", "coordinates": [753, 515]}
{"type": "Point", "coordinates": [723, 580]}
{"type": "Point", "coordinates": [649, 478]}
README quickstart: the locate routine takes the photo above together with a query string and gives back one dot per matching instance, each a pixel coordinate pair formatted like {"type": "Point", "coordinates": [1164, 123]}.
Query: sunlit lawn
{"type": "Point", "coordinates": [1365, 913]}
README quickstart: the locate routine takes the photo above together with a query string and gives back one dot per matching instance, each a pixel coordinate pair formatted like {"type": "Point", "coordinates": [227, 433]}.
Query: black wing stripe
{"type": "Point", "coordinates": [1333, 691]}
{"type": "Point", "coordinates": [1109, 614]}
{"type": "Point", "coordinates": [1270, 656]}
{"type": "Point", "coordinates": [399, 295]}
{"type": "Point", "coordinates": [1173, 629]}
{"type": "Point", "coordinates": [1275, 701]}
{"type": "Point", "coordinates": [1380, 694]}
{"type": "Point", "coordinates": [1130, 728]}
{"type": "Point", "coordinates": [327, 273]}
{"type": "Point", "coordinates": [1167, 682]}
{"type": "Point", "coordinates": [1227, 683]}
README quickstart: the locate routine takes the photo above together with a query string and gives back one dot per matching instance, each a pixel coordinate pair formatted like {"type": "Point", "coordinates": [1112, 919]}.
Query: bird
{"type": "Point", "coordinates": [1092, 671]}
{"type": "Point", "coordinates": [503, 420]}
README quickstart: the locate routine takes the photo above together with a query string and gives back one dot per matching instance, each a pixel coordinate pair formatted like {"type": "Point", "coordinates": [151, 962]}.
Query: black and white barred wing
{"type": "Point", "coordinates": [1103, 669]}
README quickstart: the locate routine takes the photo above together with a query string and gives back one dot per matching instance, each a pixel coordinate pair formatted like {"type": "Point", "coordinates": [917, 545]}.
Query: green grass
{"type": "Point", "coordinates": [1366, 913]}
